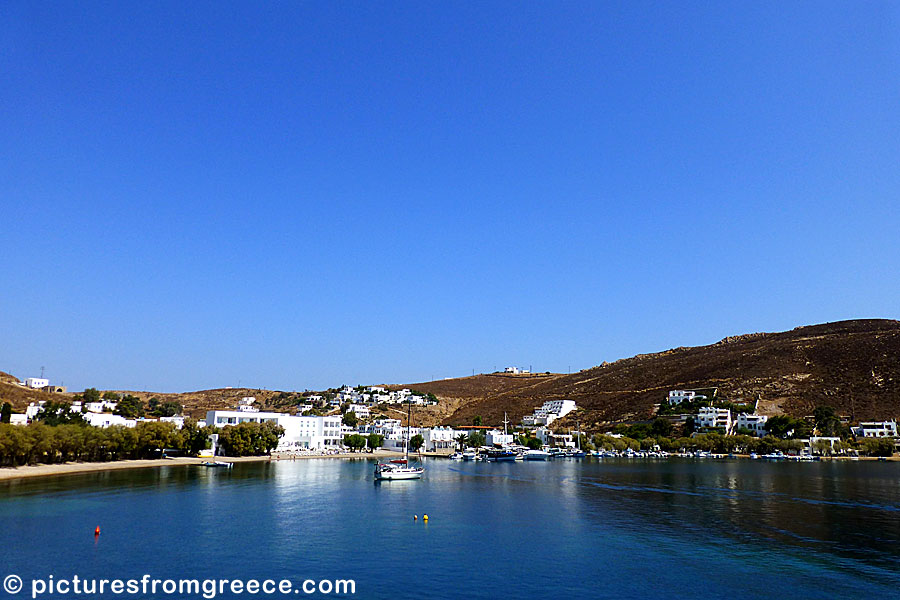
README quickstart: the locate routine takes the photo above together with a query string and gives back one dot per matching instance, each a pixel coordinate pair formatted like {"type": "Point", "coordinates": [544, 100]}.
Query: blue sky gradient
{"type": "Point", "coordinates": [300, 195]}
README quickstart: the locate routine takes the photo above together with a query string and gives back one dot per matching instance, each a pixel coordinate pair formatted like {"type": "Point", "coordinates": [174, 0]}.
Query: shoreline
{"type": "Point", "coordinates": [74, 468]}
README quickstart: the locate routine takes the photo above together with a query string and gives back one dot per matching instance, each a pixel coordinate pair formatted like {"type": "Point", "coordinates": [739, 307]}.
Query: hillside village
{"type": "Point", "coordinates": [338, 419]}
{"type": "Point", "coordinates": [833, 383]}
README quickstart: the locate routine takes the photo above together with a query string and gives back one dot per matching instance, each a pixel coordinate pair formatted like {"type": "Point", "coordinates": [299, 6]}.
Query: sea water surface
{"type": "Point", "coordinates": [610, 528]}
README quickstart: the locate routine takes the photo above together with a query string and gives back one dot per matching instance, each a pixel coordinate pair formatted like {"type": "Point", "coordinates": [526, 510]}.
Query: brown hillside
{"type": "Point", "coordinates": [19, 397]}
{"type": "Point", "coordinates": [853, 366]}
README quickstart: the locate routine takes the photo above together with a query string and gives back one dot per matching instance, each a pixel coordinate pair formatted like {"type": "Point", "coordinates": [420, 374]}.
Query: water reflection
{"type": "Point", "coordinates": [618, 528]}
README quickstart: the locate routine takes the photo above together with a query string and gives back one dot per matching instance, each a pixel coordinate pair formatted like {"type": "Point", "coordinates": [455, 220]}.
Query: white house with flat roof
{"type": "Point", "coordinates": [755, 423]}
{"type": "Point", "coordinates": [498, 438]}
{"type": "Point", "coordinates": [100, 406]}
{"type": "Point", "coordinates": [439, 438]}
{"type": "Point", "coordinates": [107, 420]}
{"type": "Point", "coordinates": [676, 397]}
{"type": "Point", "coordinates": [300, 433]}
{"type": "Point", "coordinates": [360, 410]}
{"type": "Point", "coordinates": [37, 383]}
{"type": "Point", "coordinates": [876, 429]}
{"type": "Point", "coordinates": [714, 418]}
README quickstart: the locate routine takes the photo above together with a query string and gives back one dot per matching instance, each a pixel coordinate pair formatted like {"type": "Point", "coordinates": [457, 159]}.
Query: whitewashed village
{"type": "Point", "coordinates": [329, 423]}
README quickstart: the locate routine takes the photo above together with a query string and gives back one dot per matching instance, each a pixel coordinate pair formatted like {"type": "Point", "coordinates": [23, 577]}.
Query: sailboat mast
{"type": "Point", "coordinates": [408, 419]}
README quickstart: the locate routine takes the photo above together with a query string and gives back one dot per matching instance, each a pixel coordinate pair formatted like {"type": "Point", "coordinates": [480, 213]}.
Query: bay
{"type": "Point", "coordinates": [610, 528]}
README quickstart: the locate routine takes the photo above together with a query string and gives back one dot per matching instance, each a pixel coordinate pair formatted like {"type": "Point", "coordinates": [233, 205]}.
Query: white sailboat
{"type": "Point", "coordinates": [399, 469]}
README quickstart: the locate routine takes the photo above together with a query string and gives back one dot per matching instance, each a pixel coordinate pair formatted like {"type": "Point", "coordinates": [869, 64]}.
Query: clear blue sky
{"type": "Point", "coordinates": [299, 195]}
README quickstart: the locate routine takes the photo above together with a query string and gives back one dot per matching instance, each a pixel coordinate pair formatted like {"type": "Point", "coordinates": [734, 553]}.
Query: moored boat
{"type": "Point", "coordinates": [537, 455]}
{"type": "Point", "coordinates": [501, 455]}
{"type": "Point", "coordinates": [399, 468]}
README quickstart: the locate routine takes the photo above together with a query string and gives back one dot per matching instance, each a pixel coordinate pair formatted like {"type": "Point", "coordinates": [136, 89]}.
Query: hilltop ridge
{"type": "Point", "coordinates": [853, 366]}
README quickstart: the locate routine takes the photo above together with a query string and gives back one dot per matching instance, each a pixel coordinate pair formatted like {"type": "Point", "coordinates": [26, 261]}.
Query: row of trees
{"type": "Point", "coordinates": [249, 439]}
{"type": "Point", "coordinates": [726, 444]}
{"type": "Point", "coordinates": [357, 442]}
{"type": "Point", "coordinates": [42, 443]}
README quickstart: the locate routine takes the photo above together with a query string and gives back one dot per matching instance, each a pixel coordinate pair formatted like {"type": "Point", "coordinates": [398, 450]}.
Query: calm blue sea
{"type": "Point", "coordinates": [616, 528]}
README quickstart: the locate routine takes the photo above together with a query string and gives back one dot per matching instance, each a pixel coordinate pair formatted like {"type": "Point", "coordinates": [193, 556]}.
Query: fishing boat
{"type": "Point", "coordinates": [501, 455]}
{"type": "Point", "coordinates": [470, 455]}
{"type": "Point", "coordinates": [217, 463]}
{"type": "Point", "coordinates": [399, 469]}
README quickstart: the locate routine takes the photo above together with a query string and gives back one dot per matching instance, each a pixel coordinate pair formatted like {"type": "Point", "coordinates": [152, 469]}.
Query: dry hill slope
{"type": "Point", "coordinates": [853, 366]}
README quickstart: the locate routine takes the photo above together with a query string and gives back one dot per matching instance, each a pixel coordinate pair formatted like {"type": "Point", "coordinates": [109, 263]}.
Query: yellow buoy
{"type": "Point", "coordinates": [425, 518]}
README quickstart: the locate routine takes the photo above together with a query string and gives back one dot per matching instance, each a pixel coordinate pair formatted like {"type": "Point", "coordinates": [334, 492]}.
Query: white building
{"type": "Point", "coordinates": [549, 412]}
{"type": "Point", "coordinates": [714, 418]}
{"type": "Point", "coordinates": [33, 409]}
{"type": "Point", "coordinates": [361, 411]}
{"type": "Point", "coordinates": [300, 433]}
{"type": "Point", "coordinates": [439, 438]}
{"type": "Point", "coordinates": [516, 370]}
{"type": "Point", "coordinates": [811, 445]}
{"type": "Point", "coordinates": [498, 438]}
{"type": "Point", "coordinates": [548, 438]}
{"type": "Point", "coordinates": [246, 404]}
{"type": "Point", "coordinates": [876, 429]}
{"type": "Point", "coordinates": [755, 423]}
{"type": "Point", "coordinates": [676, 397]}
{"type": "Point", "coordinates": [178, 421]}
{"type": "Point", "coordinates": [18, 419]}
{"type": "Point", "coordinates": [37, 382]}
{"type": "Point", "coordinates": [101, 406]}
{"type": "Point", "coordinates": [107, 420]}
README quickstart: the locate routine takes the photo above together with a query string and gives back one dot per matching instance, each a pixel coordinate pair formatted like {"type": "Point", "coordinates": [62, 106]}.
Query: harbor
{"type": "Point", "coordinates": [744, 520]}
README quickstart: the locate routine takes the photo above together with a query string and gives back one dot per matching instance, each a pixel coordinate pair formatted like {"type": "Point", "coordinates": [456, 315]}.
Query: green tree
{"type": "Point", "coordinates": [110, 395]}
{"type": "Point", "coordinates": [660, 428]}
{"type": "Point", "coordinates": [690, 426]}
{"type": "Point", "coordinates": [827, 423]}
{"type": "Point", "coordinates": [6, 413]}
{"type": "Point", "coordinates": [91, 395]}
{"type": "Point", "coordinates": [374, 441]}
{"type": "Point", "coordinates": [350, 419]}
{"type": "Point", "coordinates": [355, 441]}
{"type": "Point", "coordinates": [877, 446]}
{"type": "Point", "coordinates": [58, 413]}
{"type": "Point", "coordinates": [194, 438]}
{"type": "Point", "coordinates": [129, 407]}
{"type": "Point", "coordinates": [154, 437]}
{"type": "Point", "coordinates": [475, 439]}
{"type": "Point", "coordinates": [477, 421]}
{"type": "Point", "coordinates": [250, 439]}
{"type": "Point", "coordinates": [782, 426]}
{"type": "Point", "coordinates": [533, 443]}
{"type": "Point", "coordinates": [416, 442]}
{"type": "Point", "coordinates": [461, 440]}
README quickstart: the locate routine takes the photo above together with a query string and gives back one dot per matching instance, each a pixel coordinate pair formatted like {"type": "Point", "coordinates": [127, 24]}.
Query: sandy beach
{"type": "Point", "coordinates": [71, 468]}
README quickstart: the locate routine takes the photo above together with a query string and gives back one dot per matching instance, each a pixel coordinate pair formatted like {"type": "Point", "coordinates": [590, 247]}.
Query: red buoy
{"type": "Point", "coordinates": [97, 531]}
